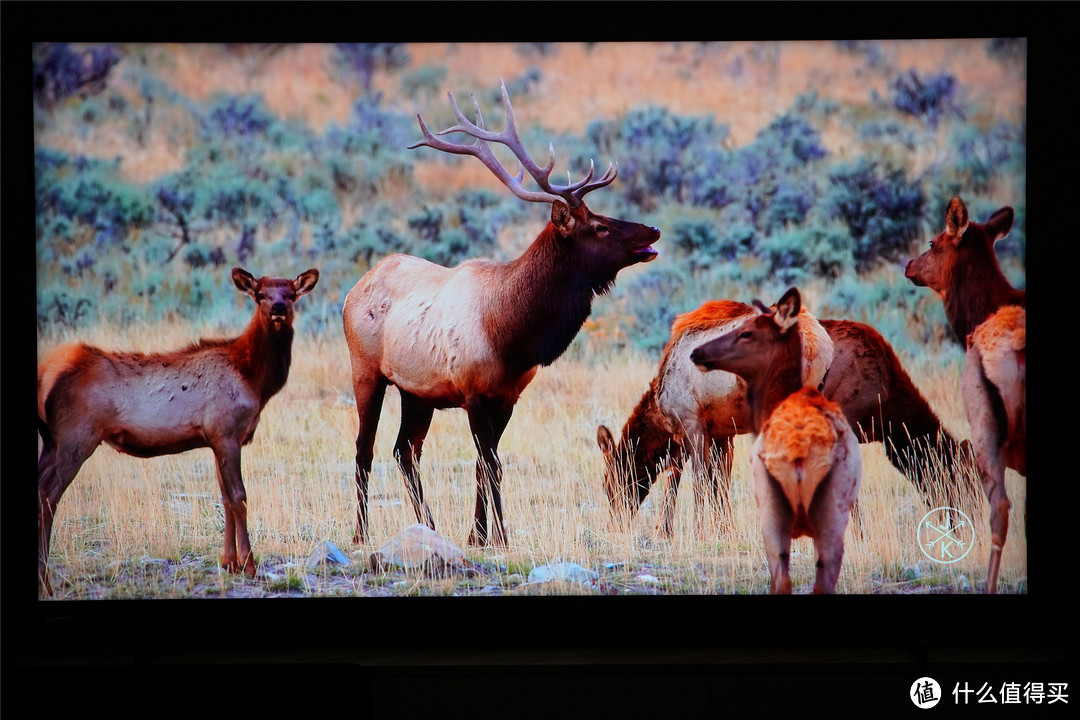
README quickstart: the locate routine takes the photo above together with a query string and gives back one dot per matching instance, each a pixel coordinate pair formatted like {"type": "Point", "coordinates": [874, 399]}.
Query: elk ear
{"type": "Point", "coordinates": [305, 282]}
{"type": "Point", "coordinates": [605, 441]}
{"type": "Point", "coordinates": [244, 281]}
{"type": "Point", "coordinates": [787, 310]}
{"type": "Point", "coordinates": [956, 217]}
{"type": "Point", "coordinates": [561, 217]}
{"type": "Point", "coordinates": [999, 224]}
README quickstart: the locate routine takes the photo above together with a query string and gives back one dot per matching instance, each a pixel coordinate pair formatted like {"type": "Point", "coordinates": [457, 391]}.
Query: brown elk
{"type": "Point", "coordinates": [987, 314]}
{"type": "Point", "coordinates": [690, 416]}
{"type": "Point", "coordinates": [805, 463]}
{"type": "Point", "coordinates": [865, 378]}
{"type": "Point", "coordinates": [473, 336]}
{"type": "Point", "coordinates": [207, 395]}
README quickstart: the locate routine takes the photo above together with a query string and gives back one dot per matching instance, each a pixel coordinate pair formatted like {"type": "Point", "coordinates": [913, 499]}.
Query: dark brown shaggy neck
{"type": "Point", "coordinates": [978, 290]}
{"type": "Point", "coordinates": [541, 302]}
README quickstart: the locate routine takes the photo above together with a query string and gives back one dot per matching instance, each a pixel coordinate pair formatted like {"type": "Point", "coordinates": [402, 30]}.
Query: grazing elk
{"type": "Point", "coordinates": [687, 415]}
{"type": "Point", "coordinates": [208, 395]}
{"type": "Point", "coordinates": [987, 314]}
{"type": "Point", "coordinates": [473, 336]}
{"type": "Point", "coordinates": [865, 378]}
{"type": "Point", "coordinates": [805, 463]}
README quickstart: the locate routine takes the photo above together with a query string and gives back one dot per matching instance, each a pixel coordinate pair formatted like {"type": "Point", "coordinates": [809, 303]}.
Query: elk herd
{"type": "Point", "coordinates": [808, 389]}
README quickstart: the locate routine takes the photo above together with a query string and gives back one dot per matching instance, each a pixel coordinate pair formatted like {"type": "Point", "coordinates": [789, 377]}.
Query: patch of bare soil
{"type": "Point", "coordinates": [200, 577]}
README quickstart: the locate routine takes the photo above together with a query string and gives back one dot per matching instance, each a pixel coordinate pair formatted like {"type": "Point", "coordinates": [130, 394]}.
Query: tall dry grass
{"type": "Point", "coordinates": [299, 477]}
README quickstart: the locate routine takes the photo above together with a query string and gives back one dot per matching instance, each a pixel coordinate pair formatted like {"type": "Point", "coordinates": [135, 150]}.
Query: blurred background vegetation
{"type": "Point", "coordinates": [158, 168]}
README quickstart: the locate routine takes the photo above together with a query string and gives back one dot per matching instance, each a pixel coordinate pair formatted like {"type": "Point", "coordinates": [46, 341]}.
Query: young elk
{"type": "Point", "coordinates": [864, 377]}
{"type": "Point", "coordinates": [987, 314]}
{"type": "Point", "coordinates": [474, 335]}
{"type": "Point", "coordinates": [208, 395]}
{"type": "Point", "coordinates": [805, 462]}
{"type": "Point", "coordinates": [687, 415]}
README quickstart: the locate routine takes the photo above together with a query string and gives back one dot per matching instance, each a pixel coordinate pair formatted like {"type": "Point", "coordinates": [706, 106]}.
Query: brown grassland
{"type": "Point", "coordinates": [153, 528]}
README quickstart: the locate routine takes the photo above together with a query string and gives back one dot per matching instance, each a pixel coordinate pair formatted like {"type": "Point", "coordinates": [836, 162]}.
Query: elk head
{"type": "Point", "coordinates": [962, 245]}
{"type": "Point", "coordinates": [756, 344]}
{"type": "Point", "coordinates": [626, 476]}
{"type": "Point", "coordinates": [275, 296]}
{"type": "Point", "coordinates": [600, 246]}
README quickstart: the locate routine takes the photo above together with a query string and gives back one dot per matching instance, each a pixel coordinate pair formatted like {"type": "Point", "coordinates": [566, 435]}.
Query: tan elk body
{"type": "Point", "coordinates": [473, 336]}
{"type": "Point", "coordinates": [805, 462]}
{"type": "Point", "coordinates": [208, 395]}
{"type": "Point", "coordinates": [988, 316]}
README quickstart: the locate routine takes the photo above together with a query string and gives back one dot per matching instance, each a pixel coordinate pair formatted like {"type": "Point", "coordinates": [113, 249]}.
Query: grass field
{"type": "Point", "coordinates": [124, 517]}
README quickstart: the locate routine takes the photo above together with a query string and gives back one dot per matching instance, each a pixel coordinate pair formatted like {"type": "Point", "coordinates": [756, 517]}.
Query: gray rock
{"type": "Point", "coordinates": [418, 548]}
{"type": "Point", "coordinates": [564, 571]}
{"type": "Point", "coordinates": [326, 552]}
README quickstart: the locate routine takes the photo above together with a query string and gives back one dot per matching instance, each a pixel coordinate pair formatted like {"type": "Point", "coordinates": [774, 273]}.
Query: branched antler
{"type": "Point", "coordinates": [571, 194]}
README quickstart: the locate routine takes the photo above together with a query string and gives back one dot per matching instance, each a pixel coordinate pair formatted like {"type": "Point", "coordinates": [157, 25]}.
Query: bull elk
{"type": "Point", "coordinates": [207, 395]}
{"type": "Point", "coordinates": [988, 315]}
{"type": "Point", "coordinates": [473, 336]}
{"type": "Point", "coordinates": [805, 463]}
{"type": "Point", "coordinates": [852, 364]}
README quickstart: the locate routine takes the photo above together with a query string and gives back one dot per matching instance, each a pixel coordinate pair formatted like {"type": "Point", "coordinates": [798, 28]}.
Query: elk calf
{"type": "Point", "coordinates": [473, 336]}
{"type": "Point", "coordinates": [208, 395]}
{"type": "Point", "coordinates": [805, 461]}
{"type": "Point", "coordinates": [987, 314]}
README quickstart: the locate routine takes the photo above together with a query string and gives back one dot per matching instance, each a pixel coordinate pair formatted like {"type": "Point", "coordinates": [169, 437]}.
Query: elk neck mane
{"type": "Point", "coordinates": [540, 301]}
{"type": "Point", "coordinates": [708, 316]}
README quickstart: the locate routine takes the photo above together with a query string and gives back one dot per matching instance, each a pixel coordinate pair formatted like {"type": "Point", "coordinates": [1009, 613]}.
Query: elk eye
{"type": "Point", "coordinates": [259, 297]}
{"type": "Point", "coordinates": [292, 297]}
{"type": "Point", "coordinates": [744, 335]}
{"type": "Point", "coordinates": [601, 228]}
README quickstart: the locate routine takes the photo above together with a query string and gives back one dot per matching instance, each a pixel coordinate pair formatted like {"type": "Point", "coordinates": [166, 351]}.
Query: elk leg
{"type": "Point", "coordinates": [992, 474]}
{"type": "Point", "coordinates": [777, 521]}
{"type": "Point", "coordinates": [989, 458]}
{"type": "Point", "coordinates": [828, 517]}
{"type": "Point", "coordinates": [415, 422]}
{"type": "Point", "coordinates": [369, 394]}
{"type": "Point", "coordinates": [236, 556]}
{"type": "Point", "coordinates": [673, 473]}
{"type": "Point", "coordinates": [701, 468]}
{"type": "Point", "coordinates": [57, 467]}
{"type": "Point", "coordinates": [487, 421]}
{"type": "Point", "coordinates": [724, 449]}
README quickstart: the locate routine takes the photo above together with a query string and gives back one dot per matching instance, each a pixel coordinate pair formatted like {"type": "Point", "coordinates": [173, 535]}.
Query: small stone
{"type": "Point", "coordinates": [326, 552]}
{"type": "Point", "coordinates": [419, 548]}
{"type": "Point", "coordinates": [564, 571]}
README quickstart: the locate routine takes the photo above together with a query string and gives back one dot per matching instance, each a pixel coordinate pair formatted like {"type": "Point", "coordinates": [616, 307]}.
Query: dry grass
{"type": "Point", "coordinates": [299, 478]}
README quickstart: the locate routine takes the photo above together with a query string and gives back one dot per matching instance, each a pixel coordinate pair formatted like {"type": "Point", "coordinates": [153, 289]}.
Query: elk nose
{"type": "Point", "coordinates": [278, 308]}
